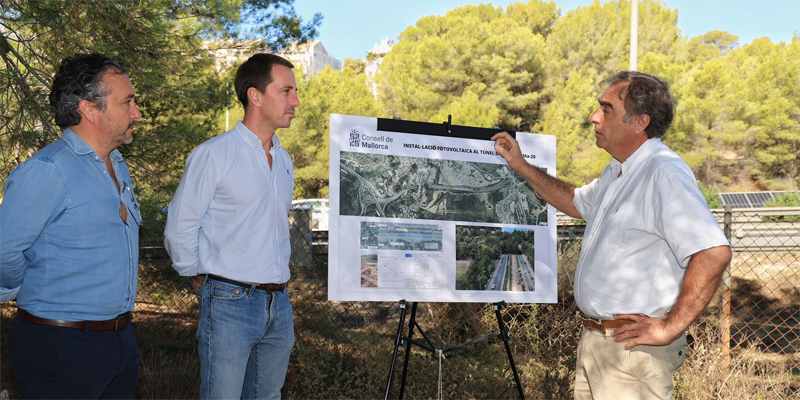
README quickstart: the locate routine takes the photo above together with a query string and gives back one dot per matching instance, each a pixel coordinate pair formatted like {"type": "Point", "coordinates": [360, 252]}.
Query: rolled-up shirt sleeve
{"type": "Point", "coordinates": [186, 211]}
{"type": "Point", "coordinates": [35, 194]}
{"type": "Point", "coordinates": [8, 294]}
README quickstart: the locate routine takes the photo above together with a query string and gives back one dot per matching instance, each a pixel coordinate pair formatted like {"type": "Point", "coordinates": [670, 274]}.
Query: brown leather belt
{"type": "Point", "coordinates": [602, 325]}
{"type": "Point", "coordinates": [115, 324]}
{"type": "Point", "coordinates": [268, 287]}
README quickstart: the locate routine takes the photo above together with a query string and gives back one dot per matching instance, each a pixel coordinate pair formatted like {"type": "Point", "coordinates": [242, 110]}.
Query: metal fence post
{"type": "Point", "coordinates": [300, 223]}
{"type": "Point", "coordinates": [726, 297]}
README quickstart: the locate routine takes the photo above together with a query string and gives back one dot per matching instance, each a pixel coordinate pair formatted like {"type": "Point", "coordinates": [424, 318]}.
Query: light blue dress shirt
{"type": "Point", "coordinates": [230, 213]}
{"type": "Point", "coordinates": [63, 243]}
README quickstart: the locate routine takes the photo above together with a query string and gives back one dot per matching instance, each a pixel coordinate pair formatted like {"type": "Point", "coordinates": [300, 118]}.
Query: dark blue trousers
{"type": "Point", "coordinates": [62, 363]}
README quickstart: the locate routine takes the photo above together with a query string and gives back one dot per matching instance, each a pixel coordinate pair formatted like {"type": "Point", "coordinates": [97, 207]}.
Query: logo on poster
{"type": "Point", "coordinates": [354, 138]}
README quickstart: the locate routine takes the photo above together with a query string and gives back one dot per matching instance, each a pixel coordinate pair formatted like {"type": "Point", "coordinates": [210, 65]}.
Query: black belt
{"type": "Point", "coordinates": [268, 287]}
{"type": "Point", "coordinates": [115, 324]}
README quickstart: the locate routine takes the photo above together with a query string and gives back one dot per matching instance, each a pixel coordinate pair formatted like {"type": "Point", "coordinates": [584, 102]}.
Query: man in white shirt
{"type": "Point", "coordinates": [652, 254]}
{"type": "Point", "coordinates": [228, 228]}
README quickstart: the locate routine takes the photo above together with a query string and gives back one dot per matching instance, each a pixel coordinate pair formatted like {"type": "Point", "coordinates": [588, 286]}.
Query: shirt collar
{"type": "Point", "coordinates": [79, 146]}
{"type": "Point", "coordinates": [638, 156]}
{"type": "Point", "coordinates": [252, 140]}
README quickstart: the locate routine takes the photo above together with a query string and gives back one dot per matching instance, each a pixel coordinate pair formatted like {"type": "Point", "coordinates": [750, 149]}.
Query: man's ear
{"type": "Point", "coordinates": [254, 96]}
{"type": "Point", "coordinates": [88, 110]}
{"type": "Point", "coordinates": [642, 123]}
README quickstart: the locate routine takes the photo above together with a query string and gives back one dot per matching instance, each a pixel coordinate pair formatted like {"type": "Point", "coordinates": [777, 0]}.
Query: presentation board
{"type": "Point", "coordinates": [418, 213]}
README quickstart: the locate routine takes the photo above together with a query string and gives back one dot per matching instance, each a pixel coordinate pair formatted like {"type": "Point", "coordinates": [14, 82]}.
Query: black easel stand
{"type": "Point", "coordinates": [431, 348]}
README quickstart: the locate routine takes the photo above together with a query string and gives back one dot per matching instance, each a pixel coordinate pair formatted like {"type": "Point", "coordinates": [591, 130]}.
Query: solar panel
{"type": "Point", "coordinates": [737, 200]}
{"type": "Point", "coordinates": [760, 197]}
{"type": "Point", "coordinates": [747, 199]}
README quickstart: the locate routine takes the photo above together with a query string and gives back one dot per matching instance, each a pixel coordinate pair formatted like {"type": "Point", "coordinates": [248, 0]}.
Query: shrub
{"type": "Point", "coordinates": [710, 193]}
{"type": "Point", "coordinates": [788, 199]}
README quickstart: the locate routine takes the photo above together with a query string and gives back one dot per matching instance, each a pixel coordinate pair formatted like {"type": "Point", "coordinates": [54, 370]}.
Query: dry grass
{"type": "Point", "coordinates": [707, 375]}
{"type": "Point", "coordinates": [344, 348]}
{"type": "Point", "coordinates": [168, 373]}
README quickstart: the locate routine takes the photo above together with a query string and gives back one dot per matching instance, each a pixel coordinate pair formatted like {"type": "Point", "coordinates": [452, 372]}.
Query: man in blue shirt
{"type": "Point", "coordinates": [228, 228]}
{"type": "Point", "coordinates": [69, 228]}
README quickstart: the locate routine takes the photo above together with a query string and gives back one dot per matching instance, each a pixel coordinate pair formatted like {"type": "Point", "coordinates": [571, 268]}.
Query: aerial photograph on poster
{"type": "Point", "coordinates": [496, 259]}
{"type": "Point", "coordinates": [434, 189]}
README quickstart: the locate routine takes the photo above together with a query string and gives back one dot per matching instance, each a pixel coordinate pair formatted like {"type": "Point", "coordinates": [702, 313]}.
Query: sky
{"type": "Point", "coordinates": [350, 28]}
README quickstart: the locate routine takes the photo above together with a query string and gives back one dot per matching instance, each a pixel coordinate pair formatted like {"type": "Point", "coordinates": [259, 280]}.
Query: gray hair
{"type": "Point", "coordinates": [646, 94]}
{"type": "Point", "coordinates": [80, 78]}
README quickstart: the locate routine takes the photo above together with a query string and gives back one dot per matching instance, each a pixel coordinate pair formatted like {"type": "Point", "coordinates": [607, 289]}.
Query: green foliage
{"type": "Point", "coordinates": [526, 68]}
{"type": "Point", "coordinates": [472, 49]}
{"type": "Point", "coordinates": [722, 40]}
{"type": "Point", "coordinates": [596, 38]}
{"type": "Point", "coordinates": [737, 118]}
{"type": "Point", "coordinates": [180, 90]}
{"type": "Point", "coordinates": [579, 160]}
{"type": "Point", "coordinates": [784, 200]}
{"type": "Point", "coordinates": [308, 139]}
{"type": "Point", "coordinates": [356, 65]}
{"type": "Point", "coordinates": [788, 199]}
{"type": "Point", "coordinates": [710, 193]}
{"type": "Point", "coordinates": [274, 22]}
{"type": "Point", "coordinates": [471, 111]}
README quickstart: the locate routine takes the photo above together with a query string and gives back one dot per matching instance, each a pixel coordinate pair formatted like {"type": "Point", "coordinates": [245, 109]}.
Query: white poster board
{"type": "Point", "coordinates": [426, 217]}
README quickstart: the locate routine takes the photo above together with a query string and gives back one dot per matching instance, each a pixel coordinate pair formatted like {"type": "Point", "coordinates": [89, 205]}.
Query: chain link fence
{"type": "Point", "coordinates": [746, 345]}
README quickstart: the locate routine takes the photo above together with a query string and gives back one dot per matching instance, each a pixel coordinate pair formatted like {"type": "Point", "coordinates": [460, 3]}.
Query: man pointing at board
{"type": "Point", "coordinates": [652, 255]}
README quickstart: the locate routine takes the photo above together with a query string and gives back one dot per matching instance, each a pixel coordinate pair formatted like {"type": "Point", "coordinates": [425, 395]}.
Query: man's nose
{"type": "Point", "coordinates": [594, 118]}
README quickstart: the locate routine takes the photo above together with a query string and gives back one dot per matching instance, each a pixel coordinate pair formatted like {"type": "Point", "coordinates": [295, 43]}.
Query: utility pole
{"type": "Point", "coordinates": [634, 35]}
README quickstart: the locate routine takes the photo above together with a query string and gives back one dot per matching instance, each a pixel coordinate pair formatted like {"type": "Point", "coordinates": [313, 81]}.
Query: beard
{"type": "Point", "coordinates": [118, 134]}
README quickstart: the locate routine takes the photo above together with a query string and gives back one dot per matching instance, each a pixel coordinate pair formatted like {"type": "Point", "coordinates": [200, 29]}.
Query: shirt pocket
{"type": "Point", "coordinates": [132, 205]}
{"type": "Point", "coordinates": [135, 214]}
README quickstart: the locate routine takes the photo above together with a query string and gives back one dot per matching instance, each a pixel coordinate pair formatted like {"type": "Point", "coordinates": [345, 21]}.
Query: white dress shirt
{"type": "Point", "coordinates": [230, 214]}
{"type": "Point", "coordinates": [645, 218]}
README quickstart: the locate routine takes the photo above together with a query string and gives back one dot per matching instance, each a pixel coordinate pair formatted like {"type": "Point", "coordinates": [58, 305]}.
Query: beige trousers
{"type": "Point", "coordinates": [606, 371]}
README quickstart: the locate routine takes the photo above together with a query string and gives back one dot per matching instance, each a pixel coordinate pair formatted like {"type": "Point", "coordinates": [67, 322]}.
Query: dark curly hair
{"type": "Point", "coordinates": [256, 72]}
{"type": "Point", "coordinates": [79, 78]}
{"type": "Point", "coordinates": [646, 94]}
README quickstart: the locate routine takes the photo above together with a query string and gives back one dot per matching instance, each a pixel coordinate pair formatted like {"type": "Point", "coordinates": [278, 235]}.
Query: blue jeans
{"type": "Point", "coordinates": [245, 337]}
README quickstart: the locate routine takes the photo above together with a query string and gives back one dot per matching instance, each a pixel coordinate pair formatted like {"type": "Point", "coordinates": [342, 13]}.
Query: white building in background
{"type": "Point", "coordinates": [228, 53]}
{"type": "Point", "coordinates": [375, 56]}
{"type": "Point", "coordinates": [374, 60]}
{"type": "Point", "coordinates": [312, 57]}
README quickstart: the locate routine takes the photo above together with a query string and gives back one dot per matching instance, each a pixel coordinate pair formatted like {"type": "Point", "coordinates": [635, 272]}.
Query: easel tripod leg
{"type": "Point", "coordinates": [411, 323]}
{"type": "Point", "coordinates": [504, 335]}
{"type": "Point", "coordinates": [396, 346]}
